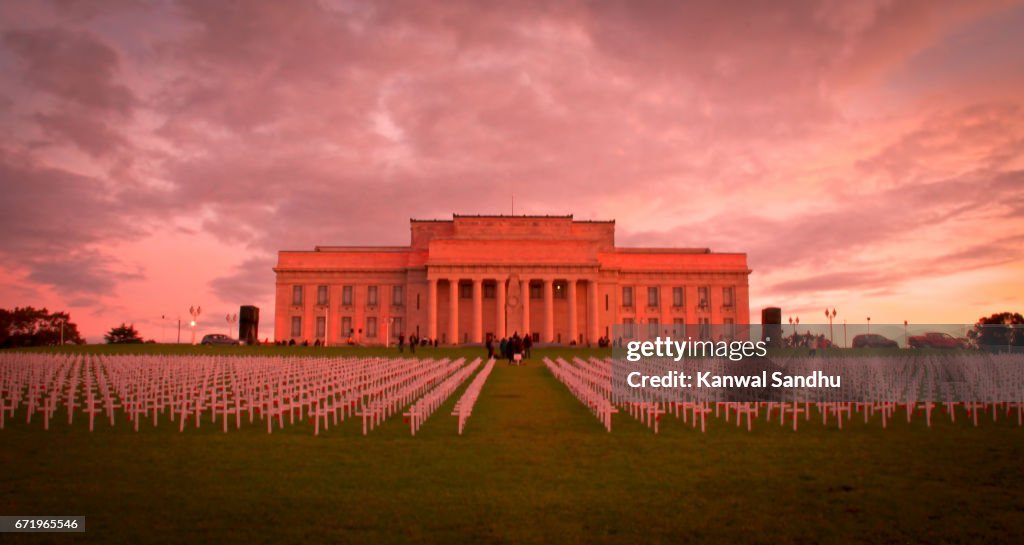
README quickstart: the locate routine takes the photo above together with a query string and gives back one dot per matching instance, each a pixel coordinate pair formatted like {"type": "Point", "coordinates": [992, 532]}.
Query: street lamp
{"type": "Point", "coordinates": [906, 338]}
{"type": "Point", "coordinates": [232, 320]}
{"type": "Point", "coordinates": [165, 318]}
{"type": "Point", "coordinates": [830, 317]}
{"type": "Point", "coordinates": [195, 312]}
{"type": "Point", "coordinates": [869, 324]}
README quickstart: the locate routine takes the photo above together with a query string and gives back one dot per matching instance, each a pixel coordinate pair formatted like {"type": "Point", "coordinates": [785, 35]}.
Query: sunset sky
{"type": "Point", "coordinates": [868, 156]}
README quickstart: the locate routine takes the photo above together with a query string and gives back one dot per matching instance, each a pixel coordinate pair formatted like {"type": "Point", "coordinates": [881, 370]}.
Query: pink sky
{"type": "Point", "coordinates": [868, 156]}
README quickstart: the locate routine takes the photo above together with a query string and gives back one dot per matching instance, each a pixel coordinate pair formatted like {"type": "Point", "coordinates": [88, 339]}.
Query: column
{"type": "Point", "coordinates": [432, 308]}
{"type": "Point", "coordinates": [593, 329]}
{"type": "Point", "coordinates": [570, 286]}
{"type": "Point", "coordinates": [525, 294]}
{"type": "Point", "coordinates": [477, 334]}
{"type": "Point", "coordinates": [616, 305]}
{"type": "Point", "coordinates": [549, 310]}
{"type": "Point", "coordinates": [499, 303]}
{"type": "Point", "coordinates": [359, 316]}
{"type": "Point", "coordinates": [666, 309]}
{"type": "Point", "coordinates": [453, 311]}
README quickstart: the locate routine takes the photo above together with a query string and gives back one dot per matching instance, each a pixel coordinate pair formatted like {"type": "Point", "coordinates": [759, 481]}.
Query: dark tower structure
{"type": "Point", "coordinates": [249, 324]}
{"type": "Point", "coordinates": [771, 326]}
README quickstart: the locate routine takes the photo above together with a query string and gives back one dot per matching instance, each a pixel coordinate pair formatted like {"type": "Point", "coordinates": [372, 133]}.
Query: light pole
{"type": "Point", "coordinates": [165, 318]}
{"type": "Point", "coordinates": [906, 338]}
{"type": "Point", "coordinates": [845, 345]}
{"type": "Point", "coordinates": [232, 320]}
{"type": "Point", "coordinates": [869, 324]}
{"type": "Point", "coordinates": [830, 317]}
{"type": "Point", "coordinates": [195, 312]}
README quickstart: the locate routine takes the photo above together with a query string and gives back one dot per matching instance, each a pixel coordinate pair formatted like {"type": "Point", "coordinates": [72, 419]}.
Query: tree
{"type": "Point", "coordinates": [1001, 330]}
{"type": "Point", "coordinates": [123, 334]}
{"type": "Point", "coordinates": [26, 326]}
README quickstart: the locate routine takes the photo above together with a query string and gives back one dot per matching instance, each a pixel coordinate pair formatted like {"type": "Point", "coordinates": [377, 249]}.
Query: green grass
{"type": "Point", "coordinates": [534, 466]}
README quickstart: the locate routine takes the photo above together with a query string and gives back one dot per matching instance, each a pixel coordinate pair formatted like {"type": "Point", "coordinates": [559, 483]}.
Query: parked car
{"type": "Point", "coordinates": [873, 340]}
{"type": "Point", "coordinates": [936, 340]}
{"type": "Point", "coordinates": [217, 338]}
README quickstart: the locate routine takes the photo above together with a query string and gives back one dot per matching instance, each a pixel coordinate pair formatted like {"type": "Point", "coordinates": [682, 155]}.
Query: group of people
{"type": "Point", "coordinates": [414, 341]}
{"type": "Point", "coordinates": [808, 340]}
{"type": "Point", "coordinates": [513, 349]}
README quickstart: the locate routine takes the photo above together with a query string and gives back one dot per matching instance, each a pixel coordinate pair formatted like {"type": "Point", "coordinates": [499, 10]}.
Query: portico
{"type": "Point", "coordinates": [510, 315]}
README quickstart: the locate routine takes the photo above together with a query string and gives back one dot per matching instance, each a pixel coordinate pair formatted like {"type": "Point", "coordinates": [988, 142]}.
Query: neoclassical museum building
{"type": "Point", "coordinates": [470, 277]}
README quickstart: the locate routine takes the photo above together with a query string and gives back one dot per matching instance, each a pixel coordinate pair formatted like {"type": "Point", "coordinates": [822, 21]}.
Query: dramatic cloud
{"type": "Point", "coordinates": [157, 155]}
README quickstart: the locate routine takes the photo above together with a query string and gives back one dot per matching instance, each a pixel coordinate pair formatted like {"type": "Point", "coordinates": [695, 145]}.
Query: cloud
{"type": "Point", "coordinates": [74, 66]}
{"type": "Point", "coordinates": [54, 221]}
{"type": "Point", "coordinates": [252, 280]}
{"type": "Point", "coordinates": [804, 133]}
{"type": "Point", "coordinates": [91, 135]}
{"type": "Point", "coordinates": [83, 272]}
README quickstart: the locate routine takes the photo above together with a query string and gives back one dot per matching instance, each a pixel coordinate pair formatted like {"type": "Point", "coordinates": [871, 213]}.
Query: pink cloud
{"type": "Point", "coordinates": [851, 148]}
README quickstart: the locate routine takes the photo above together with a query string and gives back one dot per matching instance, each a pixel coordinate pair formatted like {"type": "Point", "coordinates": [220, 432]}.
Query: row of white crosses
{"type": "Point", "coordinates": [586, 388]}
{"type": "Point", "coordinates": [464, 406]}
{"type": "Point", "coordinates": [401, 388]}
{"type": "Point", "coordinates": [194, 389]}
{"type": "Point", "coordinates": [875, 386]}
{"type": "Point", "coordinates": [420, 411]}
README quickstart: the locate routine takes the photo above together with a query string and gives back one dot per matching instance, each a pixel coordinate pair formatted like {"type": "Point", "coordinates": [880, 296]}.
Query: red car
{"type": "Point", "coordinates": [936, 340]}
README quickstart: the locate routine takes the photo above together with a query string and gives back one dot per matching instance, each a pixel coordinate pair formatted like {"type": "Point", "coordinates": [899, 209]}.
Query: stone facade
{"type": "Point", "coordinates": [463, 279]}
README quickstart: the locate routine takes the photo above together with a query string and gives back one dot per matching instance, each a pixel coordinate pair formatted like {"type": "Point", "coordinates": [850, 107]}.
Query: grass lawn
{"type": "Point", "coordinates": [533, 466]}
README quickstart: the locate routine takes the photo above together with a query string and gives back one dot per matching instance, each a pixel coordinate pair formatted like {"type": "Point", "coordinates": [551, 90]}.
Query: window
{"type": "Point", "coordinates": [536, 291]}
{"type": "Point", "coordinates": [705, 328]}
{"type": "Point", "coordinates": [652, 327]}
{"type": "Point", "coordinates": [652, 297]}
{"type": "Point", "coordinates": [346, 325]}
{"type": "Point", "coordinates": [346, 295]}
{"type": "Point", "coordinates": [677, 297]}
{"type": "Point", "coordinates": [627, 296]}
{"type": "Point", "coordinates": [396, 328]}
{"type": "Point", "coordinates": [730, 328]}
{"type": "Point", "coordinates": [606, 301]}
{"type": "Point", "coordinates": [321, 327]}
{"type": "Point", "coordinates": [296, 326]}
{"type": "Point", "coordinates": [490, 290]}
{"type": "Point", "coordinates": [627, 328]}
{"type": "Point", "coordinates": [728, 294]}
{"type": "Point", "coordinates": [371, 327]}
{"type": "Point", "coordinates": [398, 295]}
{"type": "Point", "coordinates": [296, 295]}
{"type": "Point", "coordinates": [679, 327]}
{"type": "Point", "coordinates": [321, 295]}
{"type": "Point", "coordinates": [560, 289]}
{"type": "Point", "coordinates": [465, 291]}
{"type": "Point", "coordinates": [417, 301]}
{"type": "Point", "coordinates": [703, 298]}
{"type": "Point", "coordinates": [371, 295]}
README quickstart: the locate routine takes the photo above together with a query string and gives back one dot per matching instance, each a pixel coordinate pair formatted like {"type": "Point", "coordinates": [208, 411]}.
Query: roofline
{"type": "Point", "coordinates": [650, 250]}
{"type": "Point", "coordinates": [357, 249]}
{"type": "Point", "coordinates": [509, 216]}
{"type": "Point", "coordinates": [701, 251]}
